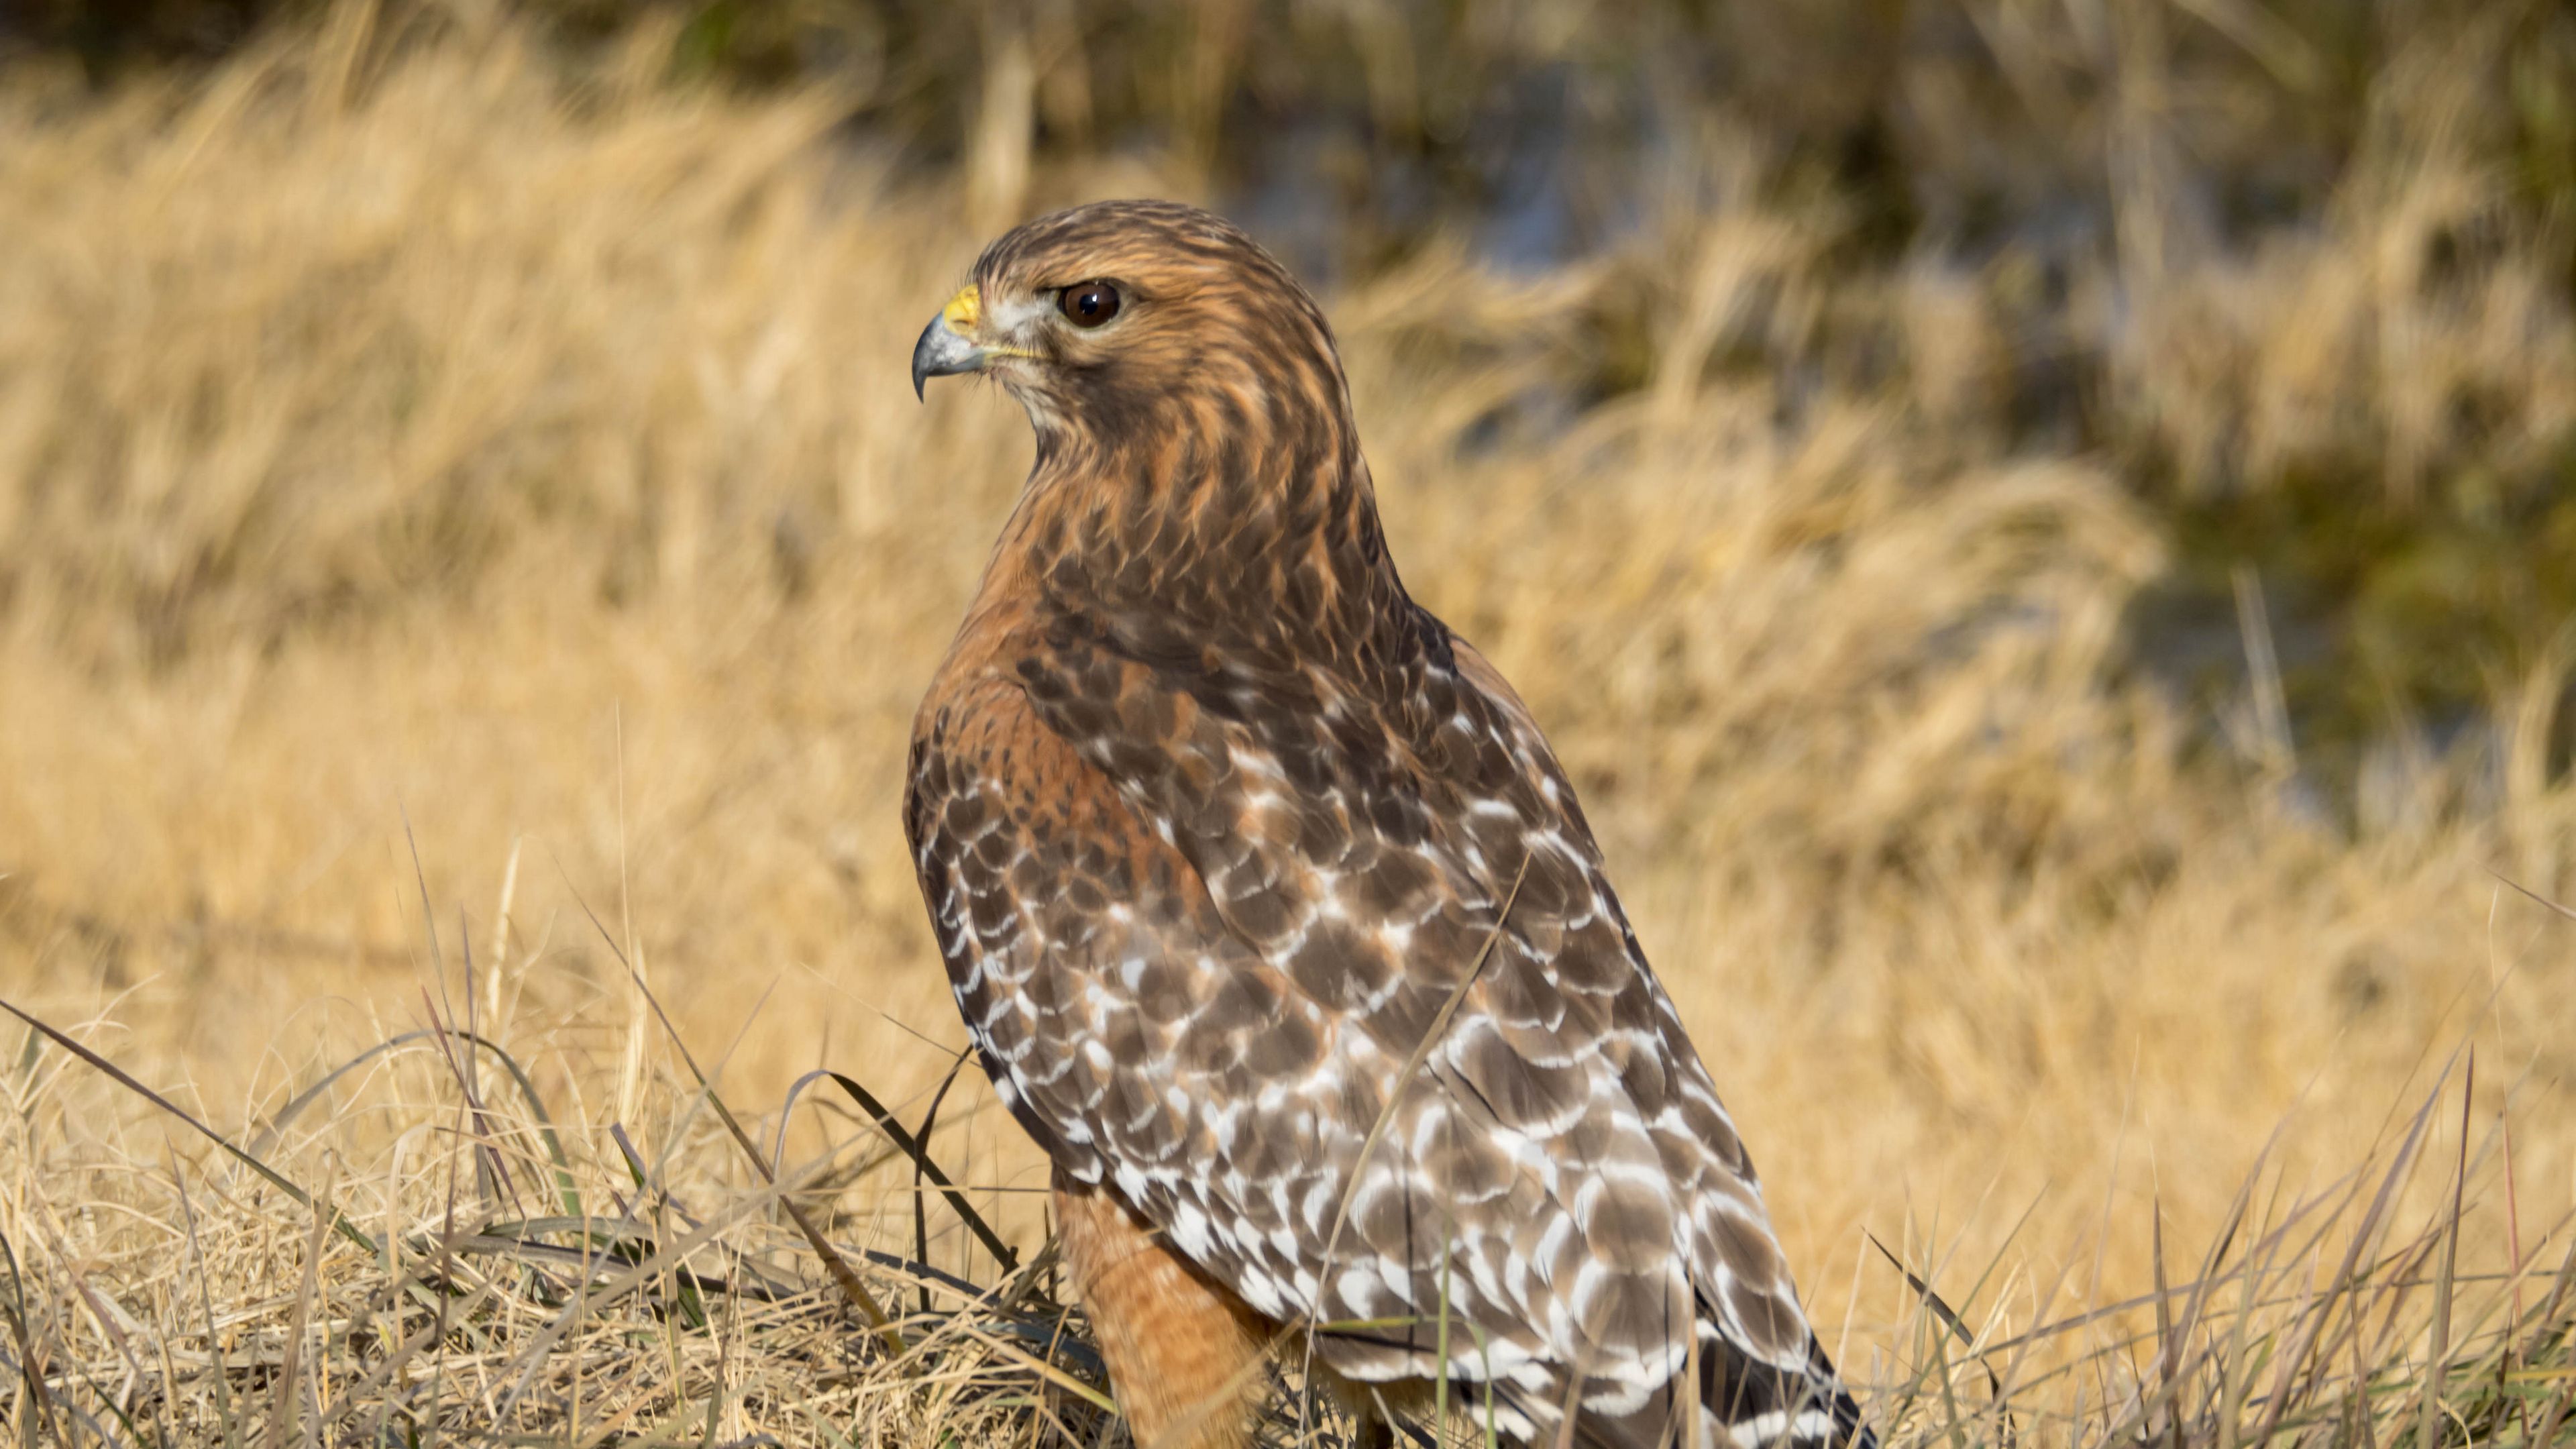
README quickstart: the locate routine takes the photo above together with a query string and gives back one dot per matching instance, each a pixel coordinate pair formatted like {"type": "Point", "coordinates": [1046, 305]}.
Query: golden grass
{"type": "Point", "coordinates": [462, 519]}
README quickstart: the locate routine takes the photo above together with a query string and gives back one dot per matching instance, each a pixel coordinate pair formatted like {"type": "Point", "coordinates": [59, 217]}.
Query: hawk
{"type": "Point", "coordinates": [1275, 920]}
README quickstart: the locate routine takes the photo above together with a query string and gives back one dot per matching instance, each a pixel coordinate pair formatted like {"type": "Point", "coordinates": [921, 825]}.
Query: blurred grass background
{"type": "Point", "coordinates": [2046, 533]}
{"type": "Point", "coordinates": [2297, 272]}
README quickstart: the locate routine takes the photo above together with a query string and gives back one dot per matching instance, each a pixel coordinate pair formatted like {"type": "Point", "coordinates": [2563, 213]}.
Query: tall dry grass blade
{"type": "Point", "coordinates": [843, 1275]}
{"type": "Point", "coordinates": [2546, 1434]}
{"type": "Point", "coordinates": [2263, 667]}
{"type": "Point", "coordinates": [205, 1302]}
{"type": "Point", "coordinates": [2438, 1366]}
{"type": "Point", "coordinates": [1951, 1424]}
{"type": "Point", "coordinates": [1567, 1415]}
{"type": "Point", "coordinates": [2236, 1372]}
{"type": "Point", "coordinates": [492, 1179]}
{"type": "Point", "coordinates": [28, 1426]}
{"type": "Point", "coordinates": [2021, 1352]}
{"type": "Point", "coordinates": [1403, 1079]}
{"type": "Point", "coordinates": [1948, 1316]}
{"type": "Point", "coordinates": [2285, 1370]}
{"type": "Point", "coordinates": [2175, 1365]}
{"type": "Point", "coordinates": [1404, 1076]}
{"type": "Point", "coordinates": [2346, 1284]}
{"type": "Point", "coordinates": [920, 1202]}
{"type": "Point", "coordinates": [2545, 1324]}
{"type": "Point", "coordinates": [2512, 1212]}
{"type": "Point", "coordinates": [2119, 1307]}
{"type": "Point", "coordinates": [912, 1150]}
{"type": "Point", "coordinates": [31, 1382]}
{"type": "Point", "coordinates": [493, 974]}
{"type": "Point", "coordinates": [1924, 1329]}
{"type": "Point", "coordinates": [649, 1192]}
{"type": "Point", "coordinates": [2168, 1348]}
{"type": "Point", "coordinates": [443, 1306]}
{"type": "Point", "coordinates": [297, 1105]}
{"type": "Point", "coordinates": [630, 1072]}
{"type": "Point", "coordinates": [655, 1199]}
{"type": "Point", "coordinates": [2548, 1331]}
{"type": "Point", "coordinates": [2306, 1318]}
{"type": "Point", "coordinates": [289, 1383]}
{"type": "Point", "coordinates": [2535, 896]}
{"type": "Point", "coordinates": [438, 973]}
{"type": "Point", "coordinates": [112, 1321]}
{"type": "Point", "coordinates": [1440, 1348]}
{"type": "Point", "coordinates": [2007, 1429]}
{"type": "Point", "coordinates": [122, 1078]}
{"type": "Point", "coordinates": [2387, 1291]}
{"type": "Point", "coordinates": [2174, 1371]}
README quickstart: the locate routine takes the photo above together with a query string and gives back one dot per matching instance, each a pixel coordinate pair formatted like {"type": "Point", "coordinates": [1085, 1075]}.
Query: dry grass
{"type": "Point", "coordinates": [463, 528]}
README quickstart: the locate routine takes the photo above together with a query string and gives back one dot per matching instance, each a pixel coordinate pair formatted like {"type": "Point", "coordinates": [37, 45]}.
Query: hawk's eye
{"type": "Point", "coordinates": [1089, 304]}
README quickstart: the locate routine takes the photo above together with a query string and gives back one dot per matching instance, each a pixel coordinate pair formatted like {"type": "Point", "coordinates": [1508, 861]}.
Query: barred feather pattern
{"type": "Point", "coordinates": [1219, 830]}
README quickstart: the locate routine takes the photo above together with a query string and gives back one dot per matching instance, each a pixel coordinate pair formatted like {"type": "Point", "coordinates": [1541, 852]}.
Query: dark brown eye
{"type": "Point", "coordinates": [1089, 304]}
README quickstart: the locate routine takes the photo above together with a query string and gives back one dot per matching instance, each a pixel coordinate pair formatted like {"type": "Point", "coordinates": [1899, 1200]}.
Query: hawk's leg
{"type": "Point", "coordinates": [1186, 1358]}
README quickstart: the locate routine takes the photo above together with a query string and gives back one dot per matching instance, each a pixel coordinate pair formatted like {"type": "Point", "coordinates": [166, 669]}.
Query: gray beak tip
{"type": "Point", "coordinates": [941, 353]}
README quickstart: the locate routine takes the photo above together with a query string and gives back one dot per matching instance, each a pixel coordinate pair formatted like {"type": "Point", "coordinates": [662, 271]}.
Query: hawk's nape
{"type": "Point", "coordinates": [1277, 923]}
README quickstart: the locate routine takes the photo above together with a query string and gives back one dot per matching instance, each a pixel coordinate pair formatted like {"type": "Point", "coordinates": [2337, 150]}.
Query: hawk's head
{"type": "Point", "coordinates": [1125, 320]}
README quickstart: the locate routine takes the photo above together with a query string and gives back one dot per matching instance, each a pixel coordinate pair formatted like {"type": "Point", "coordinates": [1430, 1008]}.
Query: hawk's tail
{"type": "Point", "coordinates": [1743, 1403]}
{"type": "Point", "coordinates": [1762, 1407]}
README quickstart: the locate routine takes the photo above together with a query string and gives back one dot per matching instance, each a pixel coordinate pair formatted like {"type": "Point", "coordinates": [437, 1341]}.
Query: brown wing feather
{"type": "Point", "coordinates": [1200, 911]}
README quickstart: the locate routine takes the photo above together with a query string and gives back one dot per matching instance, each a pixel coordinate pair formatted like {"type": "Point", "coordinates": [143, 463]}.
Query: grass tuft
{"type": "Point", "coordinates": [701, 1322]}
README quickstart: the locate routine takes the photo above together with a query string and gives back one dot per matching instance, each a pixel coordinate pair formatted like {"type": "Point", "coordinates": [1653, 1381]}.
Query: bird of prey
{"type": "Point", "coordinates": [1276, 923]}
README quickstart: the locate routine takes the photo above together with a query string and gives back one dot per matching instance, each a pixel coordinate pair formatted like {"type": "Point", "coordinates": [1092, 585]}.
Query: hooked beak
{"type": "Point", "coordinates": [948, 344]}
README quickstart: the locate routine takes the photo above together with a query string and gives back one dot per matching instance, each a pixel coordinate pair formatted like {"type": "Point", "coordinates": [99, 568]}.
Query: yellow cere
{"type": "Point", "coordinates": [964, 310]}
